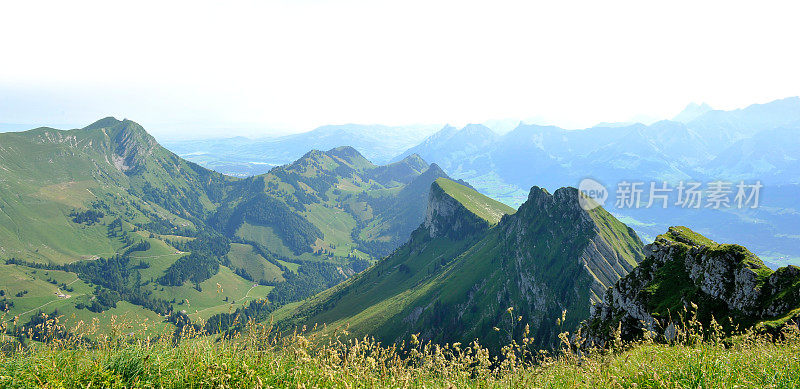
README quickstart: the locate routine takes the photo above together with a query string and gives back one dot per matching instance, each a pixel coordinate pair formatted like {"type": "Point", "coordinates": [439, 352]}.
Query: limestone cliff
{"type": "Point", "coordinates": [724, 281]}
{"type": "Point", "coordinates": [447, 217]}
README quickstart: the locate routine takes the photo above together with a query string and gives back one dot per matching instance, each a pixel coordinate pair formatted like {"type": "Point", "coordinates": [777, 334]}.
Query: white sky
{"type": "Point", "coordinates": [222, 68]}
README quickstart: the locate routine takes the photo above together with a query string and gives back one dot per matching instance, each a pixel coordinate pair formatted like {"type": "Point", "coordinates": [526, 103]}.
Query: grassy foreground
{"type": "Point", "coordinates": [263, 358]}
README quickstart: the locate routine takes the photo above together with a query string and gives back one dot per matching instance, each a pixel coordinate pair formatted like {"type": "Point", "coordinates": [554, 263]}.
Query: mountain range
{"type": "Point", "coordinates": [103, 222]}
{"type": "Point", "coordinates": [699, 144]}
{"type": "Point", "coordinates": [110, 218]}
{"type": "Point", "coordinates": [757, 143]}
{"type": "Point", "coordinates": [244, 157]}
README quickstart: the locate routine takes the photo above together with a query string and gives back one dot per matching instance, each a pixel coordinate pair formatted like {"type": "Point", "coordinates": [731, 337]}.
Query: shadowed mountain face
{"type": "Point", "coordinates": [757, 143]}
{"type": "Point", "coordinates": [472, 259]}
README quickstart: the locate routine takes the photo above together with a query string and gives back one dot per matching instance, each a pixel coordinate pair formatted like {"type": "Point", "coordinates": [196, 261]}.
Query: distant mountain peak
{"type": "Point", "coordinates": [351, 157]}
{"type": "Point", "coordinates": [446, 132]}
{"type": "Point", "coordinates": [347, 152]}
{"type": "Point", "coordinates": [691, 112]}
{"type": "Point", "coordinates": [128, 143]}
{"type": "Point", "coordinates": [105, 122]}
{"type": "Point", "coordinates": [434, 167]}
{"type": "Point", "coordinates": [414, 160]}
{"type": "Point", "coordinates": [476, 127]}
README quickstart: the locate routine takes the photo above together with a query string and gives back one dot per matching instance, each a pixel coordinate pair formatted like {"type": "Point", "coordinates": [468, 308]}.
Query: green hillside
{"type": "Point", "coordinates": [133, 225]}
{"type": "Point", "coordinates": [455, 280]}
{"type": "Point", "coordinates": [257, 267]}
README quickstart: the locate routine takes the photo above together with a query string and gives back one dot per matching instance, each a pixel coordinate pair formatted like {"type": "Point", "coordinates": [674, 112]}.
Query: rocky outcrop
{"type": "Point", "coordinates": [131, 145]}
{"type": "Point", "coordinates": [447, 217]}
{"type": "Point", "coordinates": [126, 143]}
{"type": "Point", "coordinates": [682, 268]}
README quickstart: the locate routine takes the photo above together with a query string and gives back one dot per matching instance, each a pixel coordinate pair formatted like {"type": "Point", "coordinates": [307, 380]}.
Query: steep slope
{"type": "Point", "coordinates": [723, 281]}
{"type": "Point", "coordinates": [460, 272]}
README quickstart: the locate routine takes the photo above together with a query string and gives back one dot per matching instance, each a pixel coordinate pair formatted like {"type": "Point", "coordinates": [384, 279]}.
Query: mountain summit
{"type": "Point", "coordinates": [691, 112]}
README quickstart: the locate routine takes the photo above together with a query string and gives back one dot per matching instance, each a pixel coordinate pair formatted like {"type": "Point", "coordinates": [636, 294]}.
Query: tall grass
{"type": "Point", "coordinates": [262, 357]}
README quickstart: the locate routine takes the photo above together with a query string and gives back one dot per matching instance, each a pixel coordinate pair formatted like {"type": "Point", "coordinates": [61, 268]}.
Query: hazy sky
{"type": "Point", "coordinates": [194, 68]}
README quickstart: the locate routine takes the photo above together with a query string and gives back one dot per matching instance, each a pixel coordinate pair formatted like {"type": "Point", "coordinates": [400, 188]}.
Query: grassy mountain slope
{"type": "Point", "coordinates": [139, 226]}
{"type": "Point", "coordinates": [111, 166]}
{"type": "Point", "coordinates": [484, 207]}
{"type": "Point", "coordinates": [460, 272]}
{"type": "Point", "coordinates": [335, 203]}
